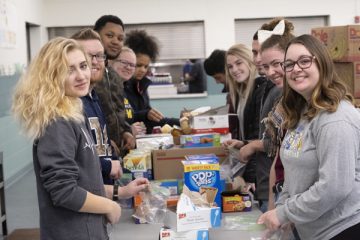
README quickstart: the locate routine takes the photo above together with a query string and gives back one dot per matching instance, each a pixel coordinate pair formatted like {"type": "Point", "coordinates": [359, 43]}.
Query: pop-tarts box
{"type": "Point", "coordinates": [202, 173]}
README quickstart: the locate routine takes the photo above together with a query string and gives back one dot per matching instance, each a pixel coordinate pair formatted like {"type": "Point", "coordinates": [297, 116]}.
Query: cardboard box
{"type": "Point", "coordinates": [169, 234]}
{"type": "Point", "coordinates": [202, 174]}
{"type": "Point", "coordinates": [343, 42]}
{"type": "Point", "coordinates": [216, 118]}
{"type": "Point", "coordinates": [349, 72]}
{"type": "Point", "coordinates": [188, 217]}
{"type": "Point", "coordinates": [167, 162]}
{"type": "Point", "coordinates": [200, 140]}
{"type": "Point", "coordinates": [234, 201]}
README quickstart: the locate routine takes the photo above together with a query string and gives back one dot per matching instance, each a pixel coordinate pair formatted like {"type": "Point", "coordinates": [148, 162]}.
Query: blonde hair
{"type": "Point", "coordinates": [240, 90]}
{"type": "Point", "coordinates": [39, 96]}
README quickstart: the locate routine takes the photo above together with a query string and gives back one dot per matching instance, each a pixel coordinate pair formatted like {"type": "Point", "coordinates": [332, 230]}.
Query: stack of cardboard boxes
{"type": "Point", "coordinates": [343, 43]}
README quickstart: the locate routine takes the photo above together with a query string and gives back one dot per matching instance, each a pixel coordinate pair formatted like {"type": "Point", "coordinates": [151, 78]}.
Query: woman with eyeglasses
{"type": "Point", "coordinates": [321, 149]}
{"type": "Point", "coordinates": [125, 65]}
{"type": "Point", "coordinates": [146, 50]}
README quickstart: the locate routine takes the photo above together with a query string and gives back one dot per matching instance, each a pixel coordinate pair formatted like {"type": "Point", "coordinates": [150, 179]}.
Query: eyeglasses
{"type": "Point", "coordinates": [126, 63]}
{"type": "Point", "coordinates": [303, 62]}
{"type": "Point", "coordinates": [99, 57]}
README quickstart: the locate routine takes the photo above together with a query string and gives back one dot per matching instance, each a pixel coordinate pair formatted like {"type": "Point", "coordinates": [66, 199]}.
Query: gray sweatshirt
{"type": "Point", "coordinates": [321, 158]}
{"type": "Point", "coordinates": [66, 166]}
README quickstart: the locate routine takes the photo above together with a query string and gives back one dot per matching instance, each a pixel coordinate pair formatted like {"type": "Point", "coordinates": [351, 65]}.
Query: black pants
{"type": "Point", "coordinates": [349, 234]}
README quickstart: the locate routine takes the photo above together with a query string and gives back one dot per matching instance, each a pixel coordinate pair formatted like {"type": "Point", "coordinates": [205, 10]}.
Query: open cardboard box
{"type": "Point", "coordinates": [167, 163]}
{"type": "Point", "coordinates": [169, 234]}
{"type": "Point", "coordinates": [190, 217]}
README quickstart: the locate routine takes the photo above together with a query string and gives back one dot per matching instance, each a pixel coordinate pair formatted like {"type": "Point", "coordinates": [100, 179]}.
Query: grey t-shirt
{"type": "Point", "coordinates": [321, 158]}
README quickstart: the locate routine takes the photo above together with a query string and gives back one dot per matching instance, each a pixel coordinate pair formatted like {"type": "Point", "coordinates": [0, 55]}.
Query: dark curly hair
{"type": "Point", "coordinates": [103, 20]}
{"type": "Point", "coordinates": [142, 43]}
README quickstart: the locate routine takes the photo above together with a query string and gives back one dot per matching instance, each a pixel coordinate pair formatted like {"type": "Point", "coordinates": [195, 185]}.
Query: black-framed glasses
{"type": "Point", "coordinates": [303, 62]}
{"type": "Point", "coordinates": [99, 57]}
{"type": "Point", "coordinates": [126, 63]}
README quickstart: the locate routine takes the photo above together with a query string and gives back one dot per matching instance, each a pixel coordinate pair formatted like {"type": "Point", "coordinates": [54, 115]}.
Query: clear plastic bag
{"type": "Point", "coordinates": [153, 206]}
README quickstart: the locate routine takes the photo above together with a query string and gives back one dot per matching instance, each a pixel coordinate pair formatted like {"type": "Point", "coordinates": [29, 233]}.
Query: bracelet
{"type": "Point", "coordinates": [115, 191]}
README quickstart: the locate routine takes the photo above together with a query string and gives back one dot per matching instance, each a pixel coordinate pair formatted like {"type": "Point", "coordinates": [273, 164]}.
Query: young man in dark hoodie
{"type": "Point", "coordinates": [111, 89]}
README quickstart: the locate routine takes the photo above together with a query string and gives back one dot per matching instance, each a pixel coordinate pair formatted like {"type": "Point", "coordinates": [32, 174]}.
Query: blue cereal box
{"type": "Point", "coordinates": [201, 174]}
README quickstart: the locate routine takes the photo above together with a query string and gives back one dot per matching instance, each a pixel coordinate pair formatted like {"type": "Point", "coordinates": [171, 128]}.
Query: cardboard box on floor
{"type": "Point", "coordinates": [343, 42]}
{"type": "Point", "coordinates": [167, 163]}
{"type": "Point", "coordinates": [349, 72]}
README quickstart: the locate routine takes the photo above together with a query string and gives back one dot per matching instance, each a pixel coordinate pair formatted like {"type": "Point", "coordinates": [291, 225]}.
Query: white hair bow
{"type": "Point", "coordinates": [265, 34]}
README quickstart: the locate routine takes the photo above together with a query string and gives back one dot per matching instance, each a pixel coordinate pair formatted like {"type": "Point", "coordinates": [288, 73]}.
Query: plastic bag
{"type": "Point", "coordinates": [153, 206]}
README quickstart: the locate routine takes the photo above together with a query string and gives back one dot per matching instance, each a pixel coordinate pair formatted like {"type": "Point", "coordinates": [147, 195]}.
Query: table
{"type": "Point", "coordinates": [127, 229]}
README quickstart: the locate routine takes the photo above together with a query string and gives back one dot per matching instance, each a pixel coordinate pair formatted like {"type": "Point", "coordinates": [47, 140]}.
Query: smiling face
{"type": "Point", "coordinates": [271, 61]}
{"type": "Point", "coordinates": [142, 66]}
{"type": "Point", "coordinates": [238, 69]}
{"type": "Point", "coordinates": [112, 36]}
{"type": "Point", "coordinates": [303, 81]}
{"type": "Point", "coordinates": [257, 57]}
{"type": "Point", "coordinates": [78, 81]}
{"type": "Point", "coordinates": [94, 48]}
{"type": "Point", "coordinates": [125, 65]}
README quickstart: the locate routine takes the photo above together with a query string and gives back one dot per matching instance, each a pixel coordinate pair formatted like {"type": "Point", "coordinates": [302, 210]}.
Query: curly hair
{"type": "Point", "coordinates": [279, 41]}
{"type": "Point", "coordinates": [39, 96]}
{"type": "Point", "coordinates": [142, 43]}
{"type": "Point", "coordinates": [240, 91]}
{"type": "Point", "coordinates": [103, 20]}
{"type": "Point", "coordinates": [327, 94]}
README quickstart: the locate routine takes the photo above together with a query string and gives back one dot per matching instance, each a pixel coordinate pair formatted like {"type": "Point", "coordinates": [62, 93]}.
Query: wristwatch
{"type": "Point", "coordinates": [115, 191]}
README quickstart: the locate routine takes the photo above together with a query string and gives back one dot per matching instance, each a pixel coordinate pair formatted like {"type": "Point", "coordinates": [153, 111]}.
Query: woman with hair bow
{"type": "Point", "coordinates": [321, 149]}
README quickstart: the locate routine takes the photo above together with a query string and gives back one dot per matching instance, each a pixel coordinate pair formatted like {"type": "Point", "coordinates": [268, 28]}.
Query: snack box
{"type": "Point", "coordinates": [200, 140]}
{"type": "Point", "coordinates": [169, 234]}
{"type": "Point", "coordinates": [202, 174]}
{"type": "Point", "coordinates": [235, 201]}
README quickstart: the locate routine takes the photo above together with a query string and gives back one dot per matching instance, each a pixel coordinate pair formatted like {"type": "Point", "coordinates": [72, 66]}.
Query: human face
{"type": "Point", "coordinates": [271, 60]}
{"type": "Point", "coordinates": [257, 57]}
{"type": "Point", "coordinates": [238, 68]}
{"type": "Point", "coordinates": [112, 36]}
{"type": "Point", "coordinates": [125, 65]}
{"type": "Point", "coordinates": [219, 78]}
{"type": "Point", "coordinates": [302, 80]}
{"type": "Point", "coordinates": [142, 66]}
{"type": "Point", "coordinates": [78, 81]}
{"type": "Point", "coordinates": [94, 48]}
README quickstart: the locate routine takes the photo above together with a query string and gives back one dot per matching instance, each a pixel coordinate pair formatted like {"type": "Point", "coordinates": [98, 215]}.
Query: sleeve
{"type": "Point", "coordinates": [105, 166]}
{"type": "Point", "coordinates": [59, 171]}
{"type": "Point", "coordinates": [337, 156]}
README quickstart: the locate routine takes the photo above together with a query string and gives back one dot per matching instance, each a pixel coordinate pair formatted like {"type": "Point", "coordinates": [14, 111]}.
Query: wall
{"type": "Point", "coordinates": [16, 148]}
{"type": "Point", "coordinates": [218, 17]}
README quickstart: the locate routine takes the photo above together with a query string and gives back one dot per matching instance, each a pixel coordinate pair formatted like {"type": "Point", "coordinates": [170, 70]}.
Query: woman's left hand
{"type": "Point", "coordinates": [270, 220]}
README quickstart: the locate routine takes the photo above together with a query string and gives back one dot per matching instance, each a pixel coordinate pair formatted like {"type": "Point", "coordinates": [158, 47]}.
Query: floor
{"type": "Point", "coordinates": [21, 204]}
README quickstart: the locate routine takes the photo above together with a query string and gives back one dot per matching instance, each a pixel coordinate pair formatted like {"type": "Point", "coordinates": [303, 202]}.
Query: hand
{"type": "Point", "coordinates": [270, 220]}
{"type": "Point", "coordinates": [246, 152]}
{"type": "Point", "coordinates": [129, 140]}
{"type": "Point", "coordinates": [155, 115]}
{"type": "Point", "coordinates": [138, 128]}
{"type": "Point", "coordinates": [134, 187]}
{"type": "Point", "coordinates": [233, 143]}
{"type": "Point", "coordinates": [113, 216]}
{"type": "Point", "coordinates": [116, 169]}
